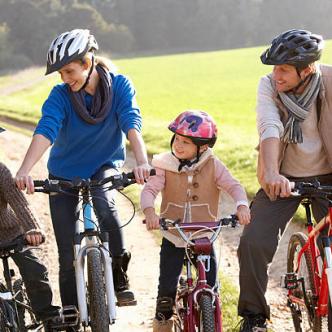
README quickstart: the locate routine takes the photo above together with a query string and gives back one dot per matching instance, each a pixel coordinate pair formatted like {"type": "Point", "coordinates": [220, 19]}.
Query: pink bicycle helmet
{"type": "Point", "coordinates": [196, 125]}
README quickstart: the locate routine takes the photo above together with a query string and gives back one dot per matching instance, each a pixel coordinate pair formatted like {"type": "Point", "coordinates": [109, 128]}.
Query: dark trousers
{"type": "Point", "coordinates": [35, 277]}
{"type": "Point", "coordinates": [259, 242]}
{"type": "Point", "coordinates": [171, 262]}
{"type": "Point", "coordinates": [64, 212]}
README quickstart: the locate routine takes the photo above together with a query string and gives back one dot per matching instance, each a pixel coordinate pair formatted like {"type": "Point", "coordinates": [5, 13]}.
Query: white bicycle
{"type": "Point", "coordinates": [95, 287]}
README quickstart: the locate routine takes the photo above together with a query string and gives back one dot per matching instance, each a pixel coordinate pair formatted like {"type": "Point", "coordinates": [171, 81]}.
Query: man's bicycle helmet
{"type": "Point", "coordinates": [69, 46]}
{"type": "Point", "coordinates": [196, 125]}
{"type": "Point", "coordinates": [294, 47]}
{"type": "Point", "coordinates": [2, 129]}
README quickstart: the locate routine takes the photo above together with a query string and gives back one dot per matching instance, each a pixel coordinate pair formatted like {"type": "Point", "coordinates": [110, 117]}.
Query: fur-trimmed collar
{"type": "Point", "coordinates": [168, 162]}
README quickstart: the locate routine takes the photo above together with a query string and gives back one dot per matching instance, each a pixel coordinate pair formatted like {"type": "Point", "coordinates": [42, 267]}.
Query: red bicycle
{"type": "Point", "coordinates": [309, 265]}
{"type": "Point", "coordinates": [197, 304]}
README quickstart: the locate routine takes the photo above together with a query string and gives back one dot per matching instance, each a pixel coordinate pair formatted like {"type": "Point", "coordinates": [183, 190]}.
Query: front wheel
{"type": "Point", "coordinates": [206, 314]}
{"type": "Point", "coordinates": [304, 316]}
{"type": "Point", "coordinates": [99, 319]}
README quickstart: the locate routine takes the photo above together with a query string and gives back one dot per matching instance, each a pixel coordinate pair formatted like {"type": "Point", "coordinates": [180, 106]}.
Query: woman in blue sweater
{"type": "Point", "coordinates": [86, 120]}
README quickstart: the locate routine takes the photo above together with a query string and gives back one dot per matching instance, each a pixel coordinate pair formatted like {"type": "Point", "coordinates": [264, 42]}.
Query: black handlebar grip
{"type": "Point", "coordinates": [39, 183]}
{"type": "Point", "coordinates": [131, 175]}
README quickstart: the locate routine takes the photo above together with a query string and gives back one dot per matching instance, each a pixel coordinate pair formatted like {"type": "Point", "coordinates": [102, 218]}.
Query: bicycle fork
{"type": "Point", "coordinates": [80, 253]}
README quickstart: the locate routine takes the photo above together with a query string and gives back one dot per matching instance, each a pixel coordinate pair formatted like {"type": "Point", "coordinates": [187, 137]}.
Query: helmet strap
{"type": "Point", "coordinates": [89, 74]}
{"type": "Point", "coordinates": [301, 83]}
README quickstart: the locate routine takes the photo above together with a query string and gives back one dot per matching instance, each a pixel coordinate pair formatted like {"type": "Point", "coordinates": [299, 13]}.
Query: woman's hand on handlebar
{"type": "Point", "coordinates": [142, 172]}
{"type": "Point", "coordinates": [243, 214]}
{"type": "Point", "coordinates": [24, 181]}
{"type": "Point", "coordinates": [151, 219]}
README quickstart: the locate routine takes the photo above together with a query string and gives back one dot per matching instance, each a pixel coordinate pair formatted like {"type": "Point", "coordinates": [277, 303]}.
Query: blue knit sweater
{"type": "Point", "coordinates": [79, 149]}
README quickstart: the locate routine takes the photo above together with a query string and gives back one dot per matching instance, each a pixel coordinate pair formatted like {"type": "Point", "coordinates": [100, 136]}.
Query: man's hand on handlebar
{"type": "Point", "coordinates": [276, 185]}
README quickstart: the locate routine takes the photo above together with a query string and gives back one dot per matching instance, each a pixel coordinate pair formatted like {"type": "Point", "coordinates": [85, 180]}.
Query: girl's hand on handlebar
{"type": "Point", "coordinates": [24, 181]}
{"type": "Point", "coordinates": [151, 219]}
{"type": "Point", "coordinates": [142, 172]}
{"type": "Point", "coordinates": [34, 237]}
{"type": "Point", "coordinates": [243, 214]}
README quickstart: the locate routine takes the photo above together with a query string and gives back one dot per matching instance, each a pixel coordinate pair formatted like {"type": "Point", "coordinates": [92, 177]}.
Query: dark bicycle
{"type": "Point", "coordinates": [16, 314]}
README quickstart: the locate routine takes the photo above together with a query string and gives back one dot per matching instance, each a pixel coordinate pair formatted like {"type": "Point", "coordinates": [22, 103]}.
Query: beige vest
{"type": "Point", "coordinates": [191, 196]}
{"type": "Point", "coordinates": [324, 116]}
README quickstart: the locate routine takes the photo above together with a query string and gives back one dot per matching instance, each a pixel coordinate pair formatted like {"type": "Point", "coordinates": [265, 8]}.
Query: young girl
{"type": "Point", "coordinates": [190, 178]}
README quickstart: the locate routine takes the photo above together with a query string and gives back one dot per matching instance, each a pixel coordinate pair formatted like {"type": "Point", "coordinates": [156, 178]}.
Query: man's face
{"type": "Point", "coordinates": [286, 77]}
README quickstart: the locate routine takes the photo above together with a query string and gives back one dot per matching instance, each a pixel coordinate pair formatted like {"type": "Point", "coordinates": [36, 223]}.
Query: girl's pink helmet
{"type": "Point", "coordinates": [196, 125]}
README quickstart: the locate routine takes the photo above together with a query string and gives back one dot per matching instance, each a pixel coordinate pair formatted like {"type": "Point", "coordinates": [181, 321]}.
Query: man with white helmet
{"type": "Point", "coordinates": [294, 118]}
{"type": "Point", "coordinates": [86, 120]}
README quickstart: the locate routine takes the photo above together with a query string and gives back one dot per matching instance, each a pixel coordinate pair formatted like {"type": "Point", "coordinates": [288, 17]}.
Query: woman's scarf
{"type": "Point", "coordinates": [298, 108]}
{"type": "Point", "coordinates": [101, 102]}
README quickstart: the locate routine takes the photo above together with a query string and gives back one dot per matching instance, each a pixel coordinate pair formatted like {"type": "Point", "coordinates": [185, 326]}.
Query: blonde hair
{"type": "Point", "coordinates": [100, 60]}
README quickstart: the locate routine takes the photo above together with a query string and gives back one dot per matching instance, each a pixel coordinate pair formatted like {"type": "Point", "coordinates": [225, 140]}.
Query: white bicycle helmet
{"type": "Point", "coordinates": [69, 46]}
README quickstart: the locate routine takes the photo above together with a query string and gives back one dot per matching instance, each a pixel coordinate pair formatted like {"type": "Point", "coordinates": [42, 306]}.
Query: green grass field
{"type": "Point", "coordinates": [222, 83]}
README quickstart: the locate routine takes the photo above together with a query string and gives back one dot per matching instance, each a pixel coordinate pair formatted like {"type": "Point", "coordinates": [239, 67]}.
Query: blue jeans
{"type": "Point", "coordinates": [64, 213]}
{"type": "Point", "coordinates": [171, 263]}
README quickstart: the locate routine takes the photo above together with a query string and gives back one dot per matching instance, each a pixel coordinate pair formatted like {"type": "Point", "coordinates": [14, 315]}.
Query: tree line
{"type": "Point", "coordinates": [126, 27]}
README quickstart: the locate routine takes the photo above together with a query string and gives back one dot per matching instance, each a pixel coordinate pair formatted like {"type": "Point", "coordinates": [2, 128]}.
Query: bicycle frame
{"type": "Point", "coordinates": [323, 281]}
{"type": "Point", "coordinates": [90, 235]}
{"type": "Point", "coordinates": [190, 293]}
{"type": "Point", "coordinates": [9, 295]}
{"type": "Point", "coordinates": [320, 262]}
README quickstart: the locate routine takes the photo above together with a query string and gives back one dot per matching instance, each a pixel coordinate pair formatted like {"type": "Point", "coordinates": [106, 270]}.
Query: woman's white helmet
{"type": "Point", "coordinates": [69, 46]}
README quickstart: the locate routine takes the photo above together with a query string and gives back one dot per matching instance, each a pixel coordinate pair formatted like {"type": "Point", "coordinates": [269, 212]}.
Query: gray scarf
{"type": "Point", "coordinates": [101, 102]}
{"type": "Point", "coordinates": [298, 108]}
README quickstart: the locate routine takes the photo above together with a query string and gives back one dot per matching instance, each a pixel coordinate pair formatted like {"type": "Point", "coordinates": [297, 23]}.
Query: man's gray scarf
{"type": "Point", "coordinates": [298, 108]}
{"type": "Point", "coordinates": [101, 102]}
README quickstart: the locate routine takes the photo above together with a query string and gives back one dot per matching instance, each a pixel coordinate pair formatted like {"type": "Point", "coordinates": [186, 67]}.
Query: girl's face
{"type": "Point", "coordinates": [184, 148]}
{"type": "Point", "coordinates": [74, 74]}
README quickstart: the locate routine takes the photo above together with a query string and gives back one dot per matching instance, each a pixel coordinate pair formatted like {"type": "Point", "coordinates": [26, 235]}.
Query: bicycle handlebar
{"type": "Point", "coordinates": [16, 245]}
{"type": "Point", "coordinates": [119, 181]}
{"type": "Point", "coordinates": [311, 188]}
{"type": "Point", "coordinates": [214, 227]}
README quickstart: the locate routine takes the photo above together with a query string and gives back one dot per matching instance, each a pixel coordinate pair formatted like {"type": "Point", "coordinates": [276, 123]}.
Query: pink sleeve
{"type": "Point", "coordinates": [225, 181]}
{"type": "Point", "coordinates": [152, 188]}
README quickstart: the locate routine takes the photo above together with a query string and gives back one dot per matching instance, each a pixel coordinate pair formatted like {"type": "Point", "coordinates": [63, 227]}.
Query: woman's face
{"type": "Point", "coordinates": [74, 74]}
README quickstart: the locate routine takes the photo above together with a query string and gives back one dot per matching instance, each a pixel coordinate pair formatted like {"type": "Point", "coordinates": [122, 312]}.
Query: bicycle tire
{"type": "Point", "coordinates": [98, 311]}
{"type": "Point", "coordinates": [206, 314]}
{"type": "Point", "coordinates": [304, 317]}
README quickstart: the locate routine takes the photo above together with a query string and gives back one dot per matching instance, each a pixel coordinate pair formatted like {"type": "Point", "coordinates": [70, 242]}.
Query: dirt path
{"type": "Point", "coordinates": [144, 268]}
